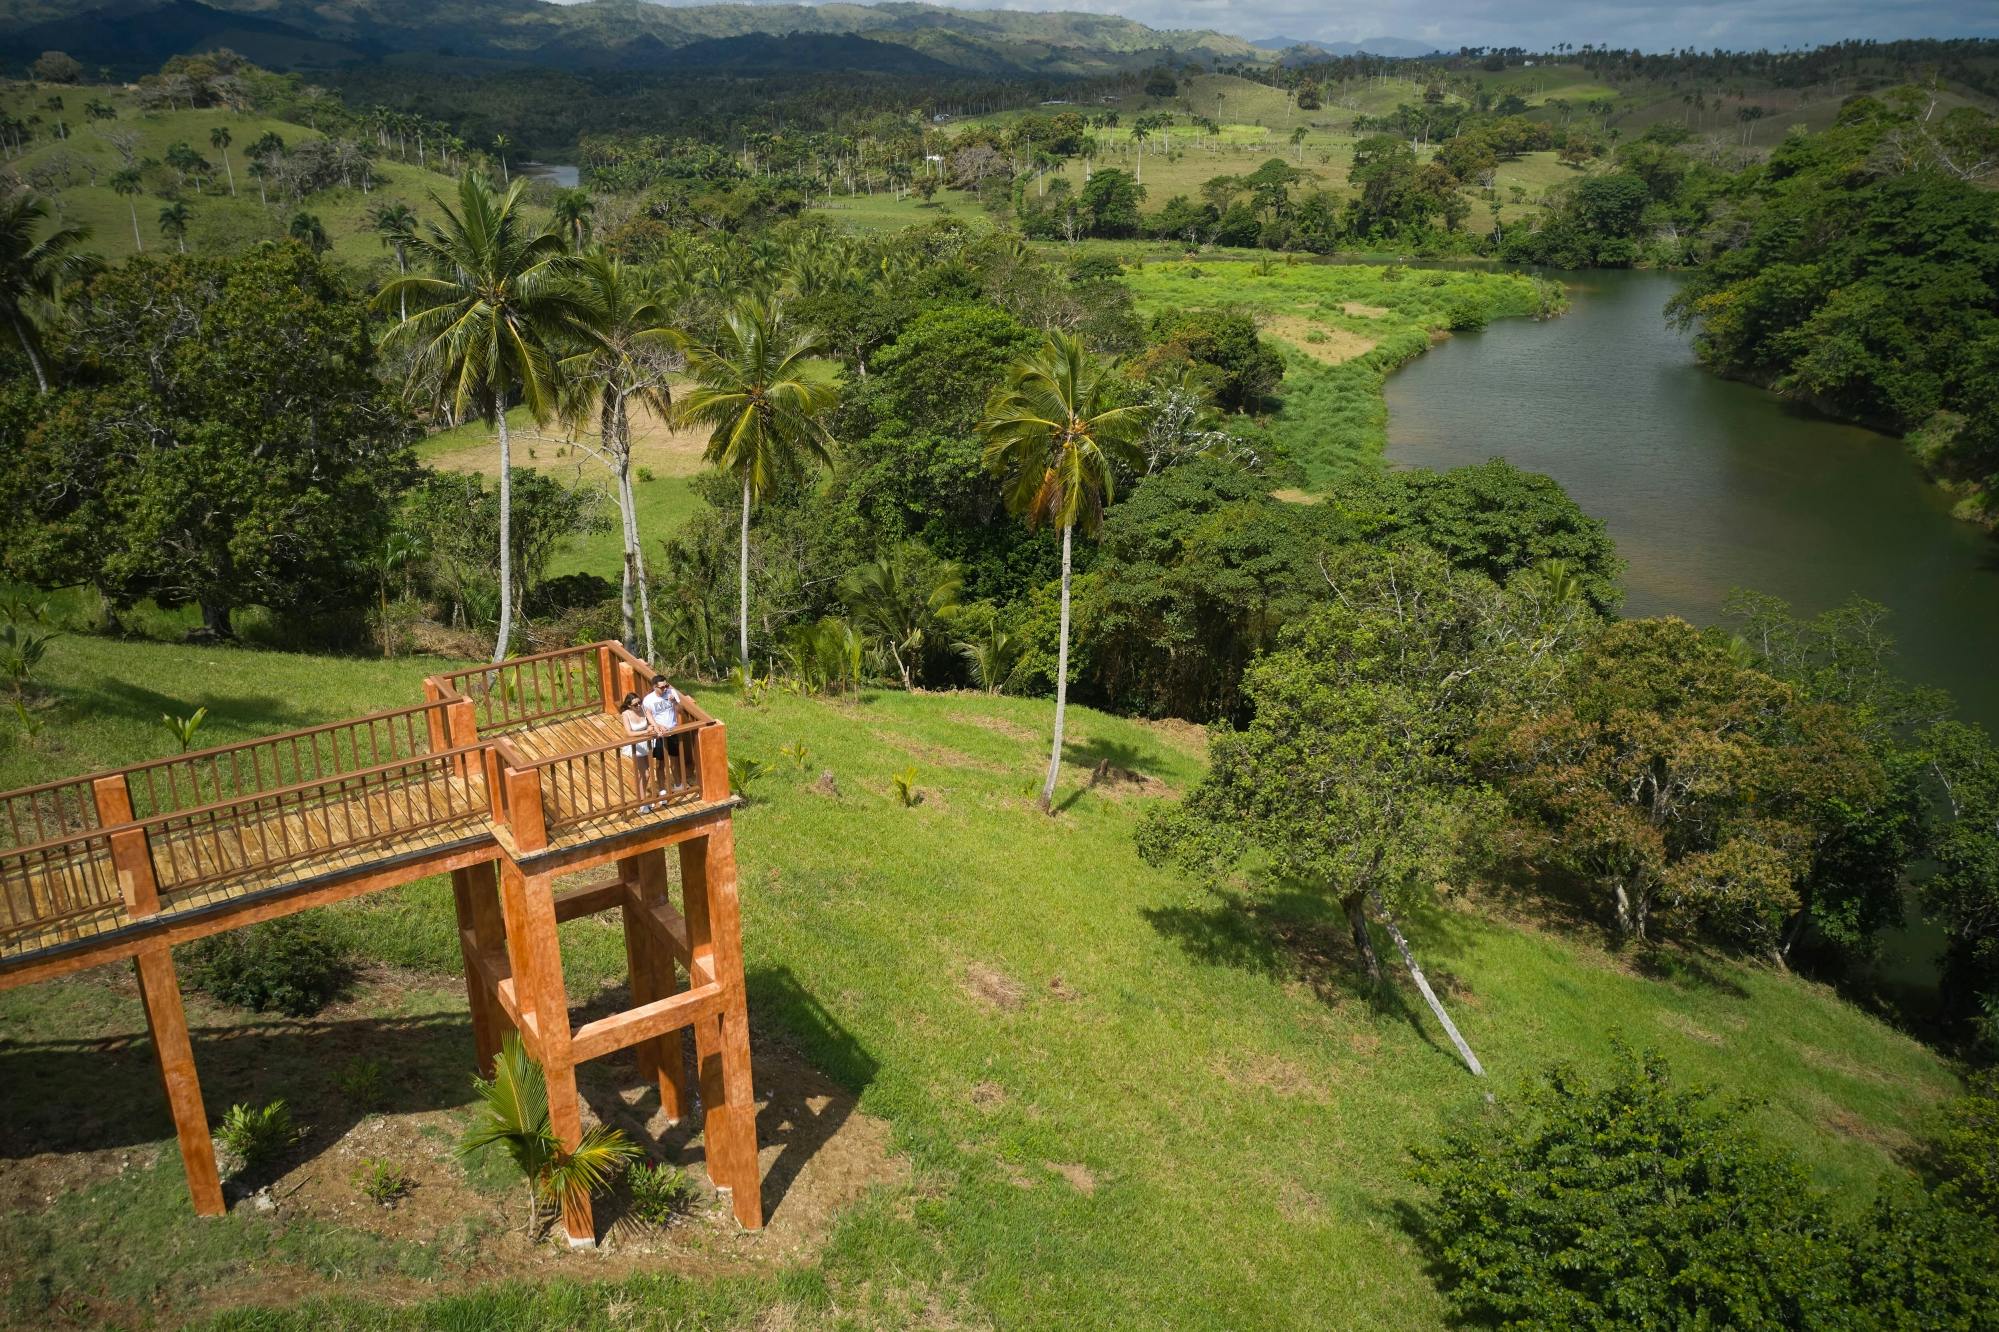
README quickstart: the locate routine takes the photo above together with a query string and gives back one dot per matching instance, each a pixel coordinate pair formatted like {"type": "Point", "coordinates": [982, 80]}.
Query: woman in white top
{"type": "Point", "coordinates": [638, 725]}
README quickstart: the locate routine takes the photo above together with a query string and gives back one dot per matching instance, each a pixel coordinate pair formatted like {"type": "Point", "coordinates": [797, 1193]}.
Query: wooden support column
{"type": "Point", "coordinates": [722, 1041]}
{"type": "Point", "coordinates": [536, 953]}
{"type": "Point", "coordinates": [159, 991]}
{"type": "Point", "coordinates": [475, 892]}
{"type": "Point", "coordinates": [662, 1059]}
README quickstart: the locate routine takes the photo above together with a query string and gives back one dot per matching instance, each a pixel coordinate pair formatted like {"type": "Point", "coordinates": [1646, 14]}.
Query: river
{"type": "Point", "coordinates": [1707, 484]}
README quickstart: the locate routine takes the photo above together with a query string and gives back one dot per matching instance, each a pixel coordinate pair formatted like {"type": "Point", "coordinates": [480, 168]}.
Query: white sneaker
{"type": "Point", "coordinates": [645, 809]}
{"type": "Point", "coordinates": [662, 793]}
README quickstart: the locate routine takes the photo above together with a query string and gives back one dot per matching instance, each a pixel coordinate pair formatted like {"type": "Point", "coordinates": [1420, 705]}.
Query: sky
{"type": "Point", "coordinates": [1538, 24]}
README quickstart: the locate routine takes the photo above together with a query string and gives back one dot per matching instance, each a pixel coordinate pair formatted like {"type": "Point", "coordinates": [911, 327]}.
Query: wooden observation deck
{"type": "Point", "coordinates": [504, 777]}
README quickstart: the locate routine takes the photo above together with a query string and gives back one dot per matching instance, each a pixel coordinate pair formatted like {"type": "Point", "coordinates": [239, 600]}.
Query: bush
{"type": "Point", "coordinates": [253, 1137]}
{"type": "Point", "coordinates": [1630, 1203]}
{"type": "Point", "coordinates": [660, 1192]}
{"type": "Point", "coordinates": [385, 1183]}
{"type": "Point", "coordinates": [292, 965]}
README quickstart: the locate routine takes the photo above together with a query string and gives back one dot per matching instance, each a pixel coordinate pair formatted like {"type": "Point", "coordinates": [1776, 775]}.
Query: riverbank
{"type": "Point", "coordinates": [1342, 329]}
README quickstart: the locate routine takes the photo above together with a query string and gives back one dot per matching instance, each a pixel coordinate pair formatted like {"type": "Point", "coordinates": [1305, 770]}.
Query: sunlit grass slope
{"type": "Point", "coordinates": [1126, 1102]}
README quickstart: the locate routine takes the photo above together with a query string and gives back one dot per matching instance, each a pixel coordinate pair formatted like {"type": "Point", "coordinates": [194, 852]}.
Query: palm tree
{"type": "Point", "coordinates": [630, 322]}
{"type": "Point", "coordinates": [572, 215]}
{"type": "Point", "coordinates": [33, 272]}
{"type": "Point", "coordinates": [1053, 433]}
{"type": "Point", "coordinates": [513, 1114]}
{"type": "Point", "coordinates": [756, 389]}
{"type": "Point", "coordinates": [173, 222]}
{"type": "Point", "coordinates": [497, 295]}
{"type": "Point", "coordinates": [218, 139]}
{"type": "Point", "coordinates": [994, 658]}
{"type": "Point", "coordinates": [500, 146]}
{"type": "Point", "coordinates": [307, 229]}
{"type": "Point", "coordinates": [394, 222]}
{"type": "Point", "coordinates": [900, 598]}
{"type": "Point", "coordinates": [128, 184]}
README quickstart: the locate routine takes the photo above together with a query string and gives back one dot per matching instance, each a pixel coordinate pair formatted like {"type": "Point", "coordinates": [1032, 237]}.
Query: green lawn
{"type": "Point", "coordinates": [1125, 1102]}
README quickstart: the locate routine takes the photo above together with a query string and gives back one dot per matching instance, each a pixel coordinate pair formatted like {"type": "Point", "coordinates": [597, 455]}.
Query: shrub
{"type": "Point", "coordinates": [645, 474]}
{"type": "Point", "coordinates": [744, 774]}
{"type": "Point", "coordinates": [1466, 315]}
{"type": "Point", "coordinates": [660, 1192]}
{"type": "Point", "coordinates": [1627, 1203]}
{"type": "Point", "coordinates": [364, 1081]}
{"type": "Point", "coordinates": [291, 965]}
{"type": "Point", "coordinates": [254, 1137]}
{"type": "Point", "coordinates": [384, 1182]}
{"type": "Point", "coordinates": [905, 787]}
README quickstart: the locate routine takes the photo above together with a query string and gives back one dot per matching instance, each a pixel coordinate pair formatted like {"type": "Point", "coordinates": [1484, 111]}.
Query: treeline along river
{"type": "Point", "coordinates": [1707, 484]}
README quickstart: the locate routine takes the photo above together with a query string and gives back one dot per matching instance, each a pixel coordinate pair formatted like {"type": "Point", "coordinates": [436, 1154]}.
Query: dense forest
{"type": "Point", "coordinates": [980, 454]}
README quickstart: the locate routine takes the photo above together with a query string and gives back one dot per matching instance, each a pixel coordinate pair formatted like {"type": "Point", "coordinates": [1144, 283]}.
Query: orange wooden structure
{"type": "Point", "coordinates": [505, 777]}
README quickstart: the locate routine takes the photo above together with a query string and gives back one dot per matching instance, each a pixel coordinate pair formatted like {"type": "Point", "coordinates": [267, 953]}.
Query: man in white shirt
{"type": "Point", "coordinates": [663, 706]}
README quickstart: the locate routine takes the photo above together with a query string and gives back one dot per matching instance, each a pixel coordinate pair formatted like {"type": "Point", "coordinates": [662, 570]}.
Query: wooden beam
{"type": "Point", "coordinates": [166, 1018]}
{"type": "Point", "coordinates": [594, 1040]}
{"type": "Point", "coordinates": [712, 746]}
{"type": "Point", "coordinates": [588, 901]}
{"type": "Point", "coordinates": [524, 813]}
{"type": "Point", "coordinates": [721, 1042]}
{"type": "Point", "coordinates": [481, 933]}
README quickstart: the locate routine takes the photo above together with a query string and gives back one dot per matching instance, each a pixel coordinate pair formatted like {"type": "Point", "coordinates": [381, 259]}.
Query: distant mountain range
{"type": "Point", "coordinates": [1395, 47]}
{"type": "Point", "coordinates": [135, 36]}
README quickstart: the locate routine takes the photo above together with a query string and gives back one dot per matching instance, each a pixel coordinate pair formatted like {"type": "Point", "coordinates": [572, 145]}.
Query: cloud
{"type": "Point", "coordinates": [1646, 24]}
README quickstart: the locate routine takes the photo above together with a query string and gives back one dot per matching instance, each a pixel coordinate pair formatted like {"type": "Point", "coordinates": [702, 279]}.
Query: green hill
{"type": "Point", "coordinates": [1115, 1100]}
{"type": "Point", "coordinates": [75, 172]}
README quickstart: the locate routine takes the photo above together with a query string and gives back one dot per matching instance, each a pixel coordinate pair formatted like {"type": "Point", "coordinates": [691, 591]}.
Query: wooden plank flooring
{"type": "Point", "coordinates": [203, 863]}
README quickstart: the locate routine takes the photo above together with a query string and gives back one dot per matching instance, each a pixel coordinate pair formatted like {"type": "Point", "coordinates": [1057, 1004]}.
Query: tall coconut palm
{"type": "Point", "coordinates": [1053, 432]}
{"type": "Point", "coordinates": [496, 297]}
{"type": "Point", "coordinates": [128, 184]}
{"type": "Point", "coordinates": [34, 270]}
{"type": "Point", "coordinates": [572, 216]}
{"type": "Point", "coordinates": [756, 389]}
{"type": "Point", "coordinates": [630, 321]}
{"type": "Point", "coordinates": [500, 145]}
{"type": "Point", "coordinates": [173, 222]}
{"type": "Point", "coordinates": [393, 223]}
{"type": "Point", "coordinates": [219, 139]}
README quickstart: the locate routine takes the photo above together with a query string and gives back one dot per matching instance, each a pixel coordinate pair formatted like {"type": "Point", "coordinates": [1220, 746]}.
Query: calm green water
{"type": "Point", "coordinates": [1709, 485]}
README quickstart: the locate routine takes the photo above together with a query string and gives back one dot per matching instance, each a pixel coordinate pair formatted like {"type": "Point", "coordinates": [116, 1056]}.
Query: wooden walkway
{"type": "Point", "coordinates": [242, 822]}
{"type": "Point", "coordinates": [504, 777]}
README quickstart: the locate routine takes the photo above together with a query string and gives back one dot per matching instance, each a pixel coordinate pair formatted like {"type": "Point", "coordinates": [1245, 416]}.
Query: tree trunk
{"type": "Point", "coordinates": [1061, 682]}
{"type": "Point", "coordinates": [137, 242]}
{"type": "Point", "coordinates": [1355, 905]}
{"type": "Point", "coordinates": [743, 585]}
{"type": "Point", "coordinates": [1423, 984]}
{"type": "Point", "coordinates": [232, 172]}
{"type": "Point", "coordinates": [215, 619]}
{"type": "Point", "coordinates": [34, 361]}
{"type": "Point", "coordinates": [618, 441]}
{"type": "Point", "coordinates": [506, 531]}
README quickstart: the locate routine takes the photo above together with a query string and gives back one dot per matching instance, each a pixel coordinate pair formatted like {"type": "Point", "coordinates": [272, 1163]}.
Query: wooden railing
{"type": "Point", "coordinates": [47, 813]}
{"type": "Point", "coordinates": [593, 783]}
{"type": "Point", "coordinates": [57, 881]}
{"type": "Point", "coordinates": [191, 848]}
{"type": "Point", "coordinates": [522, 691]}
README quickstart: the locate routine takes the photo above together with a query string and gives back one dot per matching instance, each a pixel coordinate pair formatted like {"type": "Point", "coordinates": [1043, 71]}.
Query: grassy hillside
{"type": "Point", "coordinates": [76, 174]}
{"type": "Point", "coordinates": [1116, 1100]}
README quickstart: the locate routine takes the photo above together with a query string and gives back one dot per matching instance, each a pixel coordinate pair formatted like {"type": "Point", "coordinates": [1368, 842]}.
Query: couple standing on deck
{"type": "Point", "coordinates": [648, 721]}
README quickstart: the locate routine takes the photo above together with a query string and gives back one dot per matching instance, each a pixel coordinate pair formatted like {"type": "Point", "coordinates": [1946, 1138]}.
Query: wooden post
{"type": "Point", "coordinates": [712, 746]}
{"type": "Point", "coordinates": [722, 1042]}
{"type": "Point", "coordinates": [661, 1059]}
{"type": "Point", "coordinates": [159, 991]}
{"type": "Point", "coordinates": [131, 854]}
{"type": "Point", "coordinates": [435, 723]}
{"type": "Point", "coordinates": [475, 893]}
{"type": "Point", "coordinates": [537, 963]}
{"type": "Point", "coordinates": [524, 814]}
{"type": "Point", "coordinates": [607, 679]}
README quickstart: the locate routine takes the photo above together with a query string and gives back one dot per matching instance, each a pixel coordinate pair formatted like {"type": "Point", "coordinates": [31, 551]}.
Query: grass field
{"type": "Point", "coordinates": [1121, 1100]}
{"type": "Point", "coordinates": [76, 174]}
{"type": "Point", "coordinates": [672, 456]}
{"type": "Point", "coordinates": [1342, 327]}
